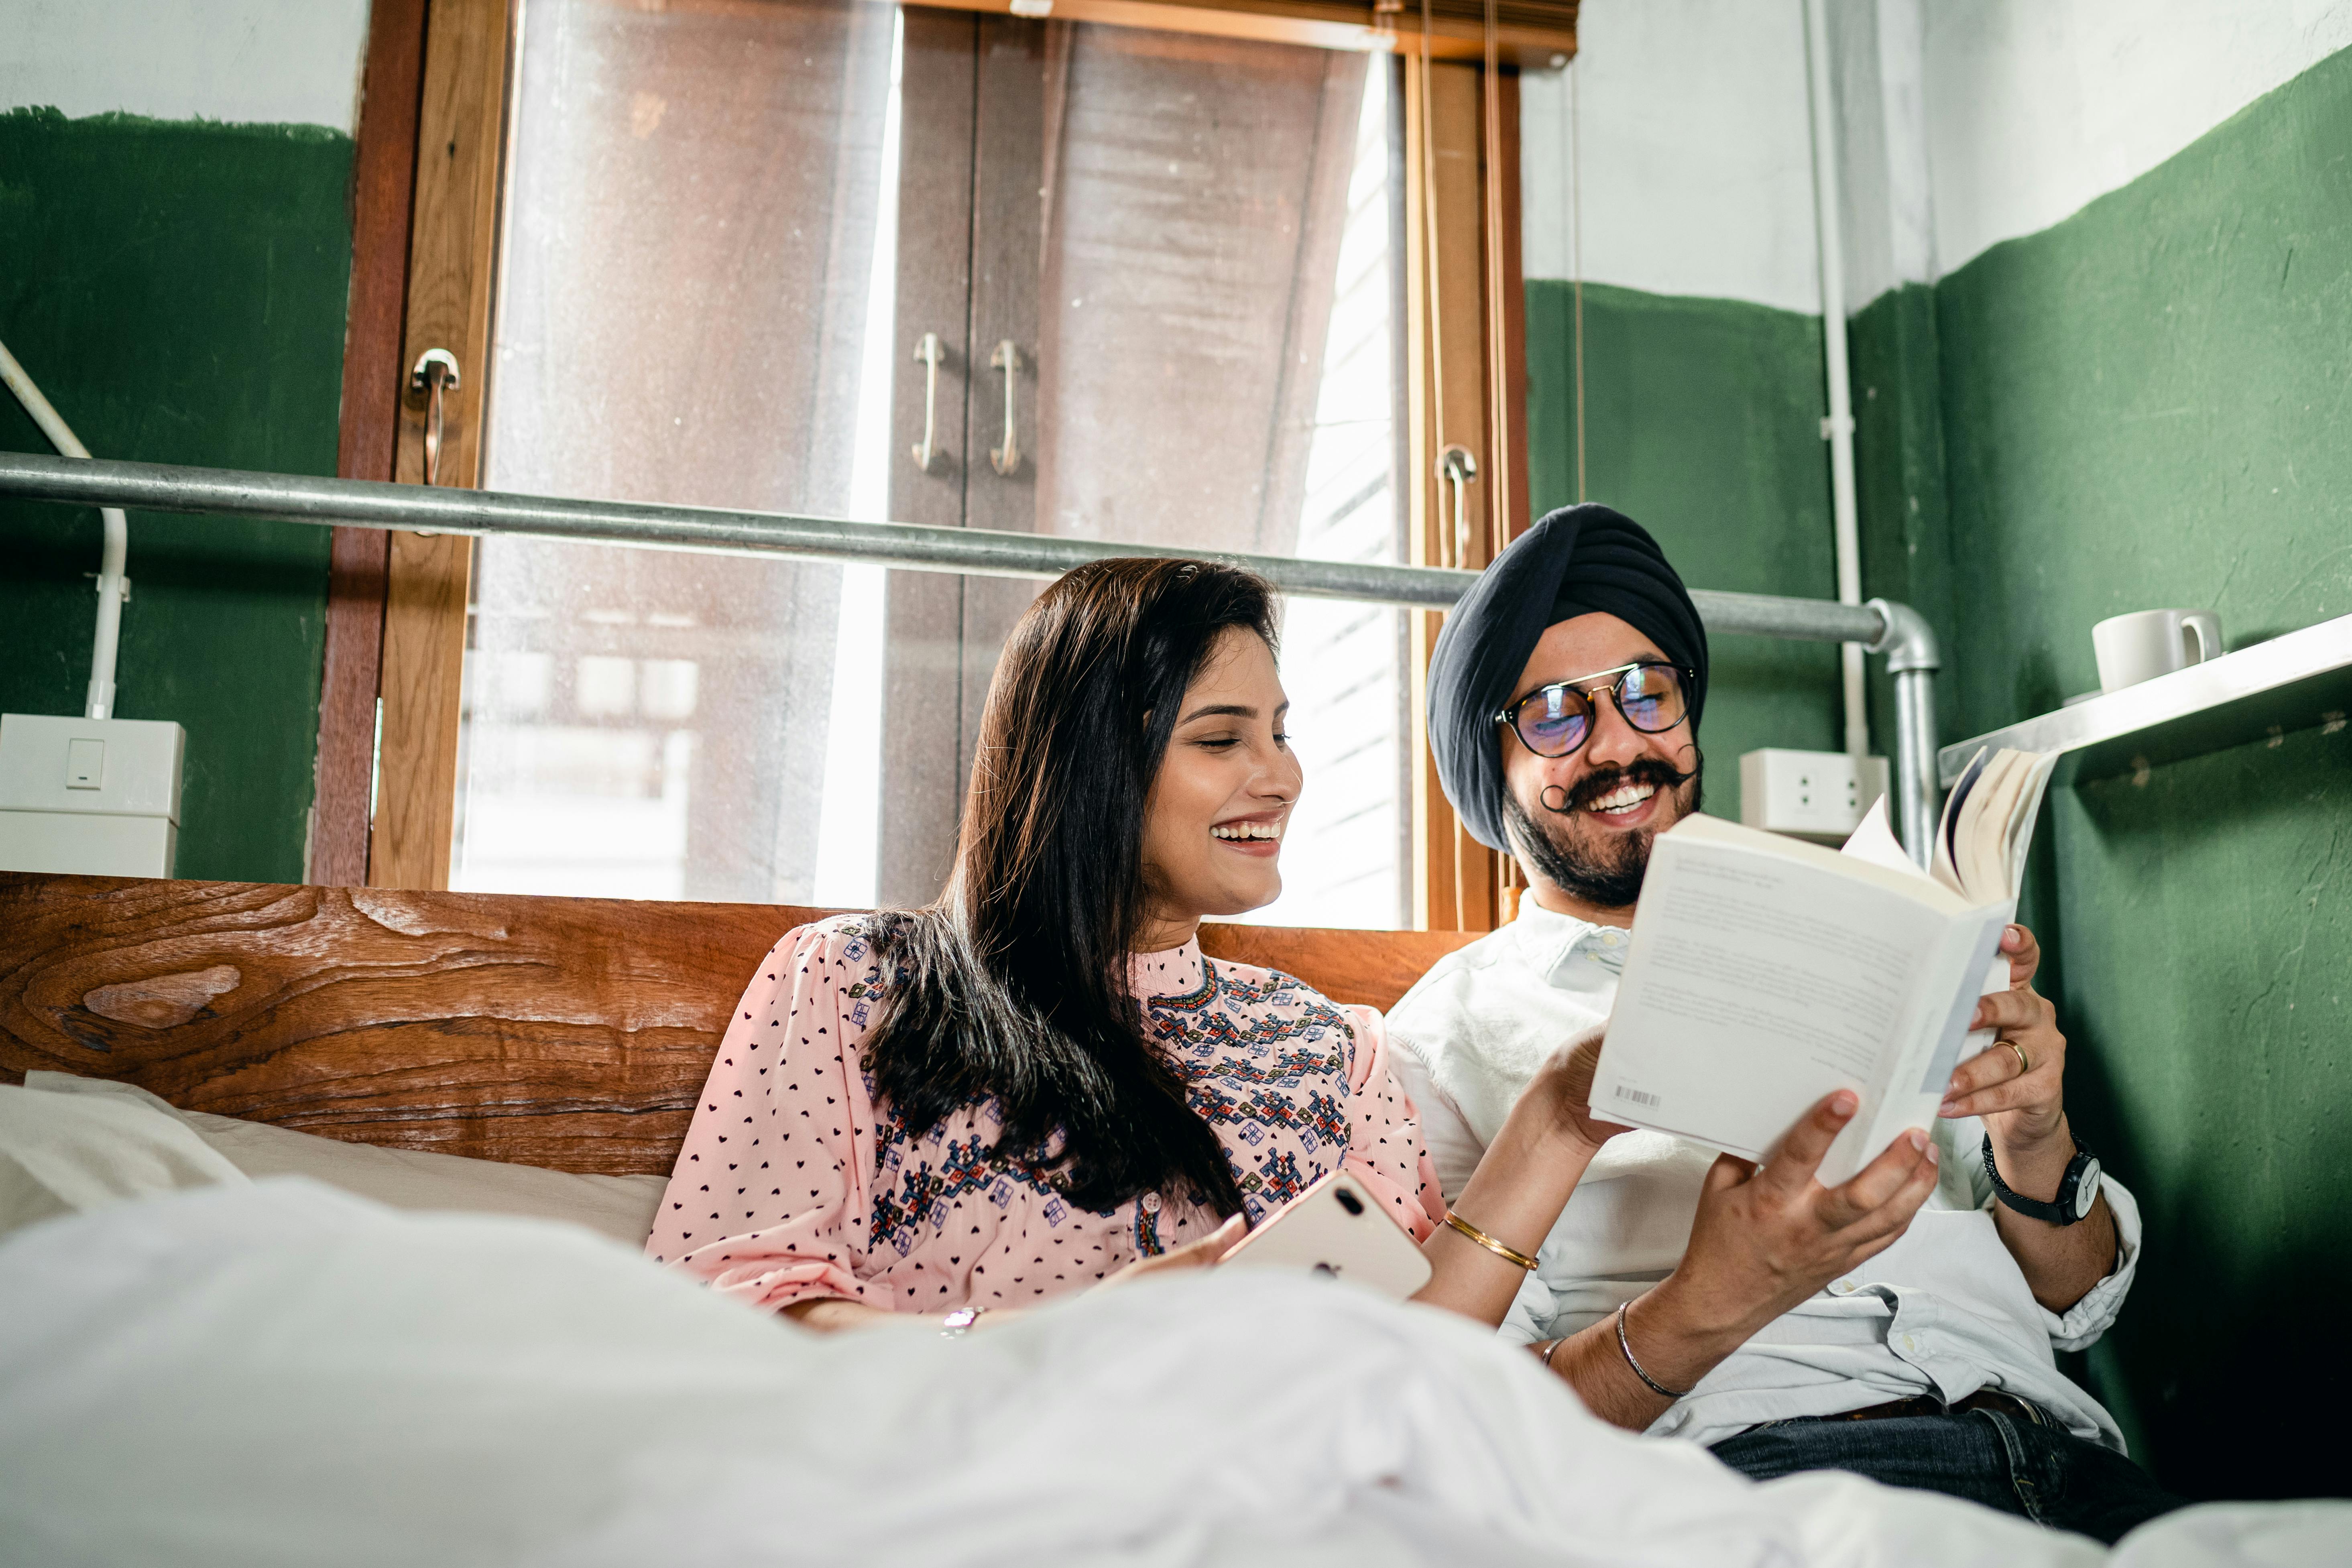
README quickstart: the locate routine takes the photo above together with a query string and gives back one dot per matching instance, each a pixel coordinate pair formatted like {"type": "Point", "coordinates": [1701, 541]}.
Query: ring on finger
{"type": "Point", "coordinates": [2024, 1063]}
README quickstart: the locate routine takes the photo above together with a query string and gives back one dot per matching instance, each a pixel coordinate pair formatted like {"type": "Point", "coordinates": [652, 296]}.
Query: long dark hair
{"type": "Point", "coordinates": [1014, 986]}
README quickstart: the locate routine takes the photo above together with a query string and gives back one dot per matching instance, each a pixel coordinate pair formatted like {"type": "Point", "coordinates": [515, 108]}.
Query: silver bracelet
{"type": "Point", "coordinates": [1623, 1344]}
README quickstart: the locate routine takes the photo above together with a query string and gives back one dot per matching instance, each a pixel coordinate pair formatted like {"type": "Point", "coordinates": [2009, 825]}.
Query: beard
{"type": "Point", "coordinates": [1605, 870]}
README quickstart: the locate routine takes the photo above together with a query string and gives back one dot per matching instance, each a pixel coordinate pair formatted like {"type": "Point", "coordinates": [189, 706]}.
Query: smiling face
{"type": "Point", "coordinates": [1583, 823]}
{"type": "Point", "coordinates": [1213, 827]}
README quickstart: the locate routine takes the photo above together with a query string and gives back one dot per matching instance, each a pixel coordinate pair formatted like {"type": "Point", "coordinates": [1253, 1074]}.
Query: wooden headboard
{"type": "Point", "coordinates": [572, 1033]}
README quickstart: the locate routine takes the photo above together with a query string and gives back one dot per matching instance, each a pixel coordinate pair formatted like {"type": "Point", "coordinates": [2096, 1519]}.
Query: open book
{"type": "Point", "coordinates": [1765, 973]}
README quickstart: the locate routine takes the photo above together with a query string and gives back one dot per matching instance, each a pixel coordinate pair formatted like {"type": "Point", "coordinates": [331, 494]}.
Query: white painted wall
{"type": "Point", "coordinates": [1962, 122]}
{"type": "Point", "coordinates": [2037, 107]}
{"type": "Point", "coordinates": [1696, 157]}
{"type": "Point", "coordinates": [1888, 205]}
{"type": "Point", "coordinates": [267, 61]}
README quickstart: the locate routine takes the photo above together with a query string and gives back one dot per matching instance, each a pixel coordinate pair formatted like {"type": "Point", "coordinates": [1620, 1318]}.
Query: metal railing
{"type": "Point", "coordinates": [1880, 627]}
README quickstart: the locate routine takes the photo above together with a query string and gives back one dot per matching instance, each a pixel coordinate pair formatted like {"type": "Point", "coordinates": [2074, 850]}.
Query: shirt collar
{"type": "Point", "coordinates": [1175, 972]}
{"type": "Point", "coordinates": [1564, 950]}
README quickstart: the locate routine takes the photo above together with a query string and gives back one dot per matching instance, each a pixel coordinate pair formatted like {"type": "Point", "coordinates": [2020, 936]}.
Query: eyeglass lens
{"type": "Point", "coordinates": [1555, 719]}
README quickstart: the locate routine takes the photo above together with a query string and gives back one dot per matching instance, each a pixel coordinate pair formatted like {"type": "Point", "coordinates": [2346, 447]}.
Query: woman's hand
{"type": "Point", "coordinates": [1562, 1088]}
{"type": "Point", "coordinates": [1522, 1182]}
{"type": "Point", "coordinates": [1205, 1253]}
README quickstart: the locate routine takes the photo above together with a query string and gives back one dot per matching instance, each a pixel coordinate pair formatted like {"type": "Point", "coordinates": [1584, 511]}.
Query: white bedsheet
{"type": "Point", "coordinates": [280, 1374]}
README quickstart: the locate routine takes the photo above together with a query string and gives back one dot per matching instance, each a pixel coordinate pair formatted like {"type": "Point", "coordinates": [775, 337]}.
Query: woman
{"type": "Point", "coordinates": [1039, 1082]}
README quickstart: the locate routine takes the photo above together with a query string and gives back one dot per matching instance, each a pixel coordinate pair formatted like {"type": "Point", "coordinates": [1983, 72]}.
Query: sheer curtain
{"type": "Point", "coordinates": [702, 199]}
{"type": "Point", "coordinates": [1217, 373]}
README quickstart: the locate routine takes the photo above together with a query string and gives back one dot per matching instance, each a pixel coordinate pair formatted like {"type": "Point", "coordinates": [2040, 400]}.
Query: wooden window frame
{"type": "Point", "coordinates": [435, 125]}
{"type": "Point", "coordinates": [384, 190]}
{"type": "Point", "coordinates": [1466, 385]}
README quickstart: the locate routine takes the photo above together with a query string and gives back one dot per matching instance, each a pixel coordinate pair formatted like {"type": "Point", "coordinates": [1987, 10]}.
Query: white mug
{"type": "Point", "coordinates": [2148, 643]}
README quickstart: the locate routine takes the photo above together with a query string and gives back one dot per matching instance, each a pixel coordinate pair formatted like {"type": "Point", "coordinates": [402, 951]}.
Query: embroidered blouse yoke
{"type": "Point", "coordinates": [794, 1183]}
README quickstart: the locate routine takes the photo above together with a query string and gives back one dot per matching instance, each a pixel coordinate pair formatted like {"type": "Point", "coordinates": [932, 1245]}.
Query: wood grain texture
{"type": "Point", "coordinates": [1519, 516]}
{"type": "Point", "coordinates": [452, 267]}
{"type": "Point", "coordinates": [423, 685]}
{"type": "Point", "coordinates": [568, 1033]}
{"type": "Point", "coordinates": [1531, 31]}
{"type": "Point", "coordinates": [383, 185]}
{"type": "Point", "coordinates": [1456, 881]}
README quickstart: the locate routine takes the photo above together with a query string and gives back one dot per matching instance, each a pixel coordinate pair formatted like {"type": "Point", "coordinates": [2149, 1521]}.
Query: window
{"type": "Point", "coordinates": [709, 230]}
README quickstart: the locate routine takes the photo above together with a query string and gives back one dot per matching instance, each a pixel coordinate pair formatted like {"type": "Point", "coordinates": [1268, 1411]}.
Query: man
{"type": "Point", "coordinates": [1900, 1325]}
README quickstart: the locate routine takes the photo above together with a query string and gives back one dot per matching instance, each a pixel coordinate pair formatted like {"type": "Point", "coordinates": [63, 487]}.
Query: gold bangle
{"type": "Point", "coordinates": [1490, 1244]}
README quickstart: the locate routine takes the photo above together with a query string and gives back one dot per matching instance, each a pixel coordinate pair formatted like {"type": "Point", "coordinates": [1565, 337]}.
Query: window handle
{"type": "Point", "coordinates": [435, 373]}
{"type": "Point", "coordinates": [1006, 459]}
{"type": "Point", "coordinates": [1459, 469]}
{"type": "Point", "coordinates": [928, 353]}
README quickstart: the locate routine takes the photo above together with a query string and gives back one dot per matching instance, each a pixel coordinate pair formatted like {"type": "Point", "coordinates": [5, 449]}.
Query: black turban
{"type": "Point", "coordinates": [1578, 561]}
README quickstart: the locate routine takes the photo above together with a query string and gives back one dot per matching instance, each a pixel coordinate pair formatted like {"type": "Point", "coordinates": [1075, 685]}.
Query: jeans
{"type": "Point", "coordinates": [2019, 1465]}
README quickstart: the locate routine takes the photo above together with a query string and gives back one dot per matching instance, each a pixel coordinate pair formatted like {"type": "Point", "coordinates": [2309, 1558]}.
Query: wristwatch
{"type": "Point", "coordinates": [2078, 1189]}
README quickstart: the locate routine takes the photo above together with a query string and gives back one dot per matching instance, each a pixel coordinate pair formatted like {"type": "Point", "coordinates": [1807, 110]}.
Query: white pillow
{"type": "Point", "coordinates": [620, 1207]}
{"type": "Point", "coordinates": [61, 1154]}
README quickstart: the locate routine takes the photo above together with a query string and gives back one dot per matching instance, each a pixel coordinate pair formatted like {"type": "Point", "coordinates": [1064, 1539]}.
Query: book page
{"type": "Point", "coordinates": [1983, 840]}
{"type": "Point", "coordinates": [1874, 844]}
{"type": "Point", "coordinates": [2028, 812]}
{"type": "Point", "coordinates": [1758, 983]}
{"type": "Point", "coordinates": [1941, 861]}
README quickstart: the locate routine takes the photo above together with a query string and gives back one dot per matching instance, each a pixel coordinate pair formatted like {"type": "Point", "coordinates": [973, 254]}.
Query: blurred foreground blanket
{"type": "Point", "coordinates": [281, 1373]}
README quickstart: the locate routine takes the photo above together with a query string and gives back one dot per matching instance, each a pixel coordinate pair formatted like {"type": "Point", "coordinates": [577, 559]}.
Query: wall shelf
{"type": "Point", "coordinates": [2290, 682]}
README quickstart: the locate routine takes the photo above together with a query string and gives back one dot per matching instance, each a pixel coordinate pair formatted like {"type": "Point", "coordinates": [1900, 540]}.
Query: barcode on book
{"type": "Point", "coordinates": [1636, 1096]}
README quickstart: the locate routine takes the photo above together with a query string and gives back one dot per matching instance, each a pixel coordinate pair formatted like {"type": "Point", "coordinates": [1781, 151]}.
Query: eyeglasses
{"type": "Point", "coordinates": [1553, 721]}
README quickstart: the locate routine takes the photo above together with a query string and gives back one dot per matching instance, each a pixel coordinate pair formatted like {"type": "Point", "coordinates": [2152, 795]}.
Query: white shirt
{"type": "Point", "coordinates": [1944, 1312]}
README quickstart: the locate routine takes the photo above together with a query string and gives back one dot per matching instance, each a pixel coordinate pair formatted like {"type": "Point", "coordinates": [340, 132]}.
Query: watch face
{"type": "Point", "coordinates": [2086, 1190]}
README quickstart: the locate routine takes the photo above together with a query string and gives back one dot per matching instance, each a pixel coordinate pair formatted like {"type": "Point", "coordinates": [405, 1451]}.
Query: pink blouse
{"type": "Point", "coordinates": [795, 1184]}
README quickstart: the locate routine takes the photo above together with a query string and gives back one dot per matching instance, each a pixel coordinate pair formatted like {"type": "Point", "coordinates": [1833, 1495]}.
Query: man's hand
{"type": "Point", "coordinates": [2019, 1086]}
{"type": "Point", "coordinates": [1766, 1238]}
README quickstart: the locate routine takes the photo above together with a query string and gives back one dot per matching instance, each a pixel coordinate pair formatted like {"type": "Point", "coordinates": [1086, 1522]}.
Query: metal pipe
{"type": "Point", "coordinates": [1912, 659]}
{"type": "Point", "coordinates": [114, 546]}
{"type": "Point", "coordinates": [1837, 430]}
{"type": "Point", "coordinates": [370, 503]}
{"type": "Point", "coordinates": [1884, 626]}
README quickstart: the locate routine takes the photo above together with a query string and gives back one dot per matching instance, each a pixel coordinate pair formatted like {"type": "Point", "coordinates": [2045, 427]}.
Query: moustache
{"type": "Point", "coordinates": [1655, 771]}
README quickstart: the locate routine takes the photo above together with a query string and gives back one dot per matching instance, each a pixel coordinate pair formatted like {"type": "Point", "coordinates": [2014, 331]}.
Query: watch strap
{"type": "Point", "coordinates": [2061, 1210]}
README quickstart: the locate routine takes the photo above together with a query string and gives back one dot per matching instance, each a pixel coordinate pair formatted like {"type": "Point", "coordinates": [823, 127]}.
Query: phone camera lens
{"type": "Point", "coordinates": [1349, 1199]}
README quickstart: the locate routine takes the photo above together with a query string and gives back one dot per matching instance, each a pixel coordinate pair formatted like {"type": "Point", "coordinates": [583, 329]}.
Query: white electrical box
{"type": "Point", "coordinates": [94, 797]}
{"type": "Point", "coordinates": [1808, 795]}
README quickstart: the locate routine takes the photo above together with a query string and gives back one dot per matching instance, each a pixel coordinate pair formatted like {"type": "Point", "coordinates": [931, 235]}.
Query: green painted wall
{"type": "Point", "coordinates": [1702, 424]}
{"type": "Point", "coordinates": [179, 292]}
{"type": "Point", "coordinates": [2150, 403]}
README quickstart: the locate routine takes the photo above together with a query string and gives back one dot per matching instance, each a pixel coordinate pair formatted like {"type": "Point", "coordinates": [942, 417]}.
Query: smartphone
{"type": "Point", "coordinates": [1335, 1229]}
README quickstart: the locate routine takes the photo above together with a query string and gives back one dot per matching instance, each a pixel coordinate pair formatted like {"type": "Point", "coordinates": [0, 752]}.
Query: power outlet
{"type": "Point", "coordinates": [1808, 795]}
{"type": "Point", "coordinates": [93, 797]}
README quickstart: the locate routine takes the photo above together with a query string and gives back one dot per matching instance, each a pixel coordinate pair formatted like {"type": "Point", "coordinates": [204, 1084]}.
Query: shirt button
{"type": "Point", "coordinates": [1149, 1203]}
{"type": "Point", "coordinates": [1608, 939]}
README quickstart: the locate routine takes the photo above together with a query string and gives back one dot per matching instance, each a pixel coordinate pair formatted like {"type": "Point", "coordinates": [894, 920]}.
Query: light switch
{"type": "Point", "coordinates": [85, 765]}
{"type": "Point", "coordinates": [90, 797]}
